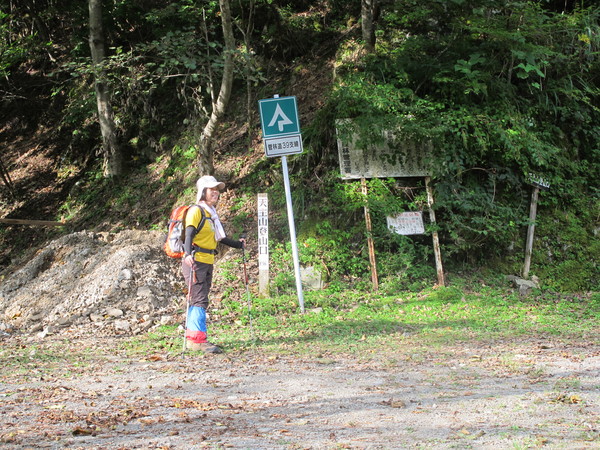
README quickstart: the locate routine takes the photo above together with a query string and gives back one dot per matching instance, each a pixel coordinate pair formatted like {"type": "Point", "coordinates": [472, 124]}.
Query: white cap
{"type": "Point", "coordinates": [208, 181]}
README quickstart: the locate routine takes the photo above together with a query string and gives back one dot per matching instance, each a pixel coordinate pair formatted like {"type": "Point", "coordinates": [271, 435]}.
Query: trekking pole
{"type": "Point", "coordinates": [243, 236]}
{"type": "Point", "coordinates": [187, 308]}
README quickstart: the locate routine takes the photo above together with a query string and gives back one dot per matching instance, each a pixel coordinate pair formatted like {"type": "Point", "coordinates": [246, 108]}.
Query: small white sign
{"type": "Point", "coordinates": [406, 223]}
{"type": "Point", "coordinates": [285, 145]}
{"type": "Point", "coordinates": [263, 244]}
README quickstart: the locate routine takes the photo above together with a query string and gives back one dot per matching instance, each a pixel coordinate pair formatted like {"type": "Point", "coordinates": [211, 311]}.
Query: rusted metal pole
{"type": "Point", "coordinates": [436, 240]}
{"type": "Point", "coordinates": [372, 261]}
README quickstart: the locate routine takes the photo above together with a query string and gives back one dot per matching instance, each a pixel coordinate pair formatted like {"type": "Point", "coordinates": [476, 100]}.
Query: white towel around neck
{"type": "Point", "coordinates": [218, 226]}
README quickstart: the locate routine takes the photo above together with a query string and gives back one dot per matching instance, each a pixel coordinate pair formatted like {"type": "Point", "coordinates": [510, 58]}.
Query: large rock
{"type": "Point", "coordinates": [524, 286]}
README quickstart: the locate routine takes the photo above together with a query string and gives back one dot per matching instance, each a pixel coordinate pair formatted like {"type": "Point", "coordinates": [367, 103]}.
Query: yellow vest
{"type": "Point", "coordinates": [205, 238]}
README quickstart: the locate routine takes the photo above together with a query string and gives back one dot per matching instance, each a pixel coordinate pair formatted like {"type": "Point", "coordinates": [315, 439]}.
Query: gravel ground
{"type": "Point", "coordinates": [91, 394]}
{"type": "Point", "coordinates": [509, 395]}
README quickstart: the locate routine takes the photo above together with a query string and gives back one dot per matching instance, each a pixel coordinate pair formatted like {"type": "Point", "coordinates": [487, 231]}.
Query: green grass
{"type": "Point", "coordinates": [404, 325]}
{"type": "Point", "coordinates": [359, 322]}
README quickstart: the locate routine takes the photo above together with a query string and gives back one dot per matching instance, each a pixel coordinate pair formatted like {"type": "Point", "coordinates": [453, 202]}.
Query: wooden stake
{"type": "Point", "coordinates": [372, 261]}
{"type": "Point", "coordinates": [436, 240]}
{"type": "Point", "coordinates": [530, 231]}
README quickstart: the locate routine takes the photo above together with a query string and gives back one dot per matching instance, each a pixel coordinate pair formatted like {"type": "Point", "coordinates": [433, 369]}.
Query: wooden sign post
{"type": "Point", "coordinates": [538, 183]}
{"type": "Point", "coordinates": [436, 240]}
{"type": "Point", "coordinates": [263, 244]}
{"type": "Point", "coordinates": [370, 243]}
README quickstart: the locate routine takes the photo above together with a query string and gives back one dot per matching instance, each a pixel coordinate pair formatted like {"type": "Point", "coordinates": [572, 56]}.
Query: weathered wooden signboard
{"type": "Point", "coordinates": [391, 157]}
{"type": "Point", "coordinates": [388, 157]}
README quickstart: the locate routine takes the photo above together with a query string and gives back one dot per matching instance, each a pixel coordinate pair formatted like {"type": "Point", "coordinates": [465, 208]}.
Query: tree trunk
{"type": "Point", "coordinates": [113, 160]}
{"type": "Point", "coordinates": [206, 151]}
{"type": "Point", "coordinates": [368, 26]}
{"type": "Point", "coordinates": [247, 35]}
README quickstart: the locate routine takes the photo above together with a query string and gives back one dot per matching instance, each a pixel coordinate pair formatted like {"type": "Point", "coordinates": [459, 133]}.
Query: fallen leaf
{"type": "Point", "coordinates": [394, 403]}
{"type": "Point", "coordinates": [56, 407]}
{"type": "Point", "coordinates": [78, 431]}
{"type": "Point", "coordinates": [564, 398]}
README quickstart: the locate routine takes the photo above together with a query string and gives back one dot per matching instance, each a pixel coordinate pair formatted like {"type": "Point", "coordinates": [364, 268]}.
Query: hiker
{"type": "Point", "coordinates": [198, 259]}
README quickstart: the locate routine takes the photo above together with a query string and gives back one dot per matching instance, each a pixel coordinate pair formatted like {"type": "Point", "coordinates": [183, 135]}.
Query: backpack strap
{"type": "Point", "coordinates": [195, 248]}
{"type": "Point", "coordinates": [202, 220]}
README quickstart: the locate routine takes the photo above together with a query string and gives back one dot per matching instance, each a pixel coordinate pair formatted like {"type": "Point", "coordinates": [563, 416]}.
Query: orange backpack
{"type": "Point", "coordinates": [174, 244]}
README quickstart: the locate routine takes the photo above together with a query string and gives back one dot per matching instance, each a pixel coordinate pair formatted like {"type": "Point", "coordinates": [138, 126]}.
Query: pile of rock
{"type": "Point", "coordinates": [96, 284]}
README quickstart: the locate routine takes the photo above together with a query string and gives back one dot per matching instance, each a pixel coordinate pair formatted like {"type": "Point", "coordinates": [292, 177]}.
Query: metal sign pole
{"type": "Point", "coordinates": [281, 137]}
{"type": "Point", "coordinates": [290, 211]}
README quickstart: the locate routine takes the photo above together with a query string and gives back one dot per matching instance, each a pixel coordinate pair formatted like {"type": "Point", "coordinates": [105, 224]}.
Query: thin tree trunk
{"type": "Point", "coordinates": [248, 45]}
{"type": "Point", "coordinates": [368, 26]}
{"type": "Point", "coordinates": [113, 161]}
{"type": "Point", "coordinates": [246, 33]}
{"type": "Point", "coordinates": [206, 151]}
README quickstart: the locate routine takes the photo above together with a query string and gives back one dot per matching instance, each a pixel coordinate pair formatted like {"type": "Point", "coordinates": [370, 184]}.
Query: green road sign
{"type": "Point", "coordinates": [279, 117]}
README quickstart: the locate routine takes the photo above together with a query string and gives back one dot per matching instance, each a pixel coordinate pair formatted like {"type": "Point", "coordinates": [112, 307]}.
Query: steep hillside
{"type": "Point", "coordinates": [45, 188]}
{"type": "Point", "coordinates": [490, 117]}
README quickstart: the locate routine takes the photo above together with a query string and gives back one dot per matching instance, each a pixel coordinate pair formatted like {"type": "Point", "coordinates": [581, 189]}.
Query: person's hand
{"type": "Point", "coordinates": [243, 241]}
{"type": "Point", "coordinates": [189, 260]}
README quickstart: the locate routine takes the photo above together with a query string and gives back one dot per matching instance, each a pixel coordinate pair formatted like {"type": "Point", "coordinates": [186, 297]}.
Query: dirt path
{"type": "Point", "coordinates": [509, 396]}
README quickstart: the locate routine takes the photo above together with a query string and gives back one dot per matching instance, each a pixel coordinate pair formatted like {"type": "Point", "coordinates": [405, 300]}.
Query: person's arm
{"type": "Point", "coordinates": [190, 232]}
{"type": "Point", "coordinates": [232, 243]}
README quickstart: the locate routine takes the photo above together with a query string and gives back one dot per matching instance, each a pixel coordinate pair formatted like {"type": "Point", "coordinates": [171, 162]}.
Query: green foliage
{"type": "Point", "coordinates": [227, 272]}
{"type": "Point", "coordinates": [335, 251]}
{"type": "Point", "coordinates": [12, 51]}
{"type": "Point", "coordinates": [567, 260]}
{"type": "Point", "coordinates": [162, 63]}
{"type": "Point", "coordinates": [287, 30]}
{"type": "Point", "coordinates": [281, 269]}
{"type": "Point", "coordinates": [502, 89]}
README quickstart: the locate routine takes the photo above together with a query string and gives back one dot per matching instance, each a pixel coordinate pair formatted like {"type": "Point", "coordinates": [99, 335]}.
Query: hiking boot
{"type": "Point", "coordinates": [205, 347]}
